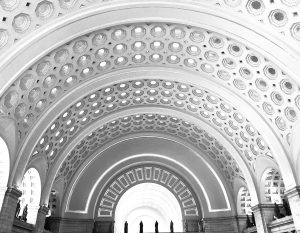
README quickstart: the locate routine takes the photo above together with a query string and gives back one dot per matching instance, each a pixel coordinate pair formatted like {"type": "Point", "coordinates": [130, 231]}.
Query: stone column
{"type": "Point", "coordinates": [191, 224]}
{"type": "Point", "coordinates": [105, 226]}
{"type": "Point", "coordinates": [40, 219]}
{"type": "Point", "coordinates": [221, 224]}
{"type": "Point", "coordinates": [241, 222]}
{"type": "Point", "coordinates": [263, 214]}
{"type": "Point", "coordinates": [293, 196]}
{"type": "Point", "coordinates": [8, 210]}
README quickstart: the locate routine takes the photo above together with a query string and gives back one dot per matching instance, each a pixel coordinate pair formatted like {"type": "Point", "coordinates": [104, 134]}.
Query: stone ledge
{"type": "Point", "coordinates": [59, 219]}
{"type": "Point", "coordinates": [282, 224]}
{"type": "Point", "coordinates": [23, 225]}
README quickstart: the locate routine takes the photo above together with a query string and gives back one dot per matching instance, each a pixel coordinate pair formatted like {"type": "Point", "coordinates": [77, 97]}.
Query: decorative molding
{"type": "Point", "coordinates": [164, 124]}
{"type": "Point", "coordinates": [13, 192]}
{"type": "Point", "coordinates": [21, 19]}
{"type": "Point", "coordinates": [167, 178]}
{"type": "Point", "coordinates": [292, 192]}
{"type": "Point", "coordinates": [260, 207]}
{"type": "Point", "coordinates": [273, 93]}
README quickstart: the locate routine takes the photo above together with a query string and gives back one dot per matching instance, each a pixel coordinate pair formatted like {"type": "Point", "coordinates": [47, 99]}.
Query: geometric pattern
{"type": "Point", "coordinates": [125, 95]}
{"type": "Point", "coordinates": [112, 193]}
{"type": "Point", "coordinates": [252, 76]}
{"type": "Point", "coordinates": [21, 18]}
{"type": "Point", "coordinates": [155, 123]}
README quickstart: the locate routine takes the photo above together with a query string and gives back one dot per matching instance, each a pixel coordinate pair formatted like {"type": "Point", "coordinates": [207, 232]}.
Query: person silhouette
{"type": "Point", "coordinates": [156, 227]}
{"type": "Point", "coordinates": [18, 208]}
{"type": "Point", "coordinates": [171, 227]}
{"type": "Point", "coordinates": [248, 222]}
{"type": "Point", "coordinates": [126, 227]}
{"type": "Point", "coordinates": [253, 219]}
{"type": "Point", "coordinates": [25, 212]}
{"type": "Point", "coordinates": [286, 207]}
{"type": "Point", "coordinates": [141, 227]}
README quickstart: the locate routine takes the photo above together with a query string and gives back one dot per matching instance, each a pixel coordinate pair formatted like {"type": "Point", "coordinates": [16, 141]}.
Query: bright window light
{"type": "Point", "coordinates": [4, 169]}
{"type": "Point", "coordinates": [148, 202]}
{"type": "Point", "coordinates": [31, 193]}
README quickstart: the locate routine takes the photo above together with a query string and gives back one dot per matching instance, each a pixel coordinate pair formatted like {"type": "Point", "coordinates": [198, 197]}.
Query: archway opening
{"type": "Point", "coordinates": [31, 193]}
{"type": "Point", "coordinates": [148, 202]}
{"type": "Point", "coordinates": [4, 169]}
{"type": "Point", "coordinates": [273, 186]}
{"type": "Point", "coordinates": [244, 202]}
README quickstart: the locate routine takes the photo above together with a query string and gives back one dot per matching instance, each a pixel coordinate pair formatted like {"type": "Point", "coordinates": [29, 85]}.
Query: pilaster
{"type": "Point", "coordinates": [40, 220]}
{"type": "Point", "coordinates": [8, 210]}
{"type": "Point", "coordinates": [293, 196]}
{"type": "Point", "coordinates": [104, 226]}
{"type": "Point", "coordinates": [192, 224]}
{"type": "Point", "coordinates": [221, 225]}
{"type": "Point", "coordinates": [241, 222]}
{"type": "Point", "coordinates": [263, 214]}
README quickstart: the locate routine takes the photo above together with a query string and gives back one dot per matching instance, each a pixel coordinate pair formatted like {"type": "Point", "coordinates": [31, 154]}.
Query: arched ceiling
{"type": "Point", "coordinates": [126, 153]}
{"type": "Point", "coordinates": [244, 70]}
{"type": "Point", "coordinates": [22, 18]}
{"type": "Point", "coordinates": [142, 123]}
{"type": "Point", "coordinates": [69, 100]}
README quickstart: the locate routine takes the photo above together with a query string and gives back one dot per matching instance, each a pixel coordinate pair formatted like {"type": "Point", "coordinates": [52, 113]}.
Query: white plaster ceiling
{"type": "Point", "coordinates": [228, 83]}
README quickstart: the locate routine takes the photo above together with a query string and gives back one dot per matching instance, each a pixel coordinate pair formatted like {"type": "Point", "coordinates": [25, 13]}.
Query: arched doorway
{"type": "Point", "coordinates": [31, 194]}
{"type": "Point", "coordinates": [148, 193]}
{"type": "Point", "coordinates": [148, 202]}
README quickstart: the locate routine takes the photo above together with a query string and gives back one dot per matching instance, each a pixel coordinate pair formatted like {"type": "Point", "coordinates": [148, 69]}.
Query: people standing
{"type": "Point", "coordinates": [18, 208]}
{"type": "Point", "coordinates": [25, 212]}
{"type": "Point", "coordinates": [141, 227]}
{"type": "Point", "coordinates": [156, 227]}
{"type": "Point", "coordinates": [126, 227]}
{"type": "Point", "coordinates": [171, 227]}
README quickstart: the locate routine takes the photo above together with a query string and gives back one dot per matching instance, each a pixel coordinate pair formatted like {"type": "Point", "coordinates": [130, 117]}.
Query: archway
{"type": "Point", "coordinates": [31, 193]}
{"type": "Point", "coordinates": [4, 169]}
{"type": "Point", "coordinates": [148, 202]}
{"type": "Point", "coordinates": [272, 186]}
{"type": "Point", "coordinates": [173, 182]}
{"type": "Point", "coordinates": [244, 201]}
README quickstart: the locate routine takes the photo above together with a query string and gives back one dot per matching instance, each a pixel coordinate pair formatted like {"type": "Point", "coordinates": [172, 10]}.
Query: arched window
{"type": "Point", "coordinates": [273, 186]}
{"type": "Point", "coordinates": [4, 169]}
{"type": "Point", "coordinates": [244, 201]}
{"type": "Point", "coordinates": [31, 193]}
{"type": "Point", "coordinates": [148, 202]}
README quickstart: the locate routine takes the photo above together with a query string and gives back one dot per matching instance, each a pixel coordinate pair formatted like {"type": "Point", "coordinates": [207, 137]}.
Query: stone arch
{"type": "Point", "coordinates": [135, 150]}
{"type": "Point", "coordinates": [243, 201]}
{"type": "Point", "coordinates": [80, 107]}
{"type": "Point", "coordinates": [112, 53]}
{"type": "Point", "coordinates": [279, 121]}
{"type": "Point", "coordinates": [148, 202]}
{"type": "Point", "coordinates": [205, 67]}
{"type": "Point", "coordinates": [165, 177]}
{"type": "Point", "coordinates": [31, 193]}
{"type": "Point", "coordinates": [4, 169]}
{"type": "Point", "coordinates": [182, 96]}
{"type": "Point", "coordinates": [272, 186]}
{"type": "Point", "coordinates": [115, 126]}
{"type": "Point", "coordinates": [254, 9]}
{"type": "Point", "coordinates": [163, 123]}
